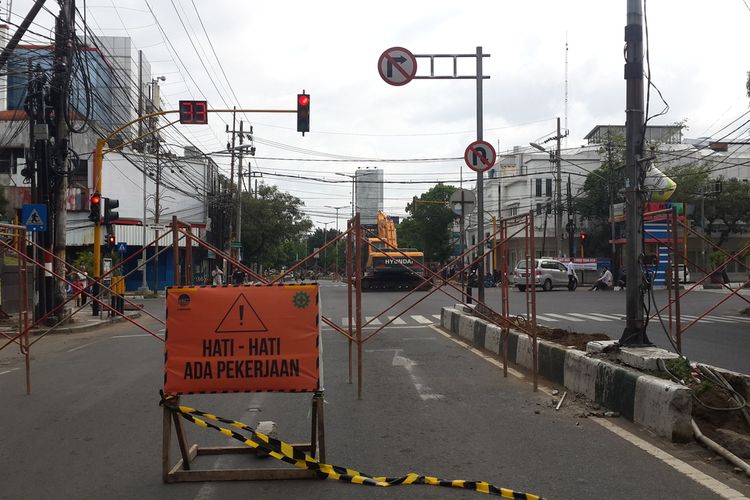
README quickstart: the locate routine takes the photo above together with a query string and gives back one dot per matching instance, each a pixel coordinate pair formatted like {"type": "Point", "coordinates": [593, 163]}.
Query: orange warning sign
{"type": "Point", "coordinates": [242, 339]}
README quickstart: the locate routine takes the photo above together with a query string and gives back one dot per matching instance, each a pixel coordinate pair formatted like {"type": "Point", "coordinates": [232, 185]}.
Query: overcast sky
{"type": "Point", "coordinates": [270, 51]}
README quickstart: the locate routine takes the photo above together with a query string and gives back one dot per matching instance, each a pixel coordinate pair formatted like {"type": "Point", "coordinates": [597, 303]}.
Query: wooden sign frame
{"type": "Point", "coordinates": [184, 469]}
{"type": "Point", "coordinates": [200, 298]}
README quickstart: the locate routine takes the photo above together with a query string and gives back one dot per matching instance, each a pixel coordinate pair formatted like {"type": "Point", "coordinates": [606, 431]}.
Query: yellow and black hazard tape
{"type": "Point", "coordinates": [285, 452]}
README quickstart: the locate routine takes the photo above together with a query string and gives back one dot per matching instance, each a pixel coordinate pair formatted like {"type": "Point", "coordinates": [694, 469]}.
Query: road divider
{"type": "Point", "coordinates": [286, 452]}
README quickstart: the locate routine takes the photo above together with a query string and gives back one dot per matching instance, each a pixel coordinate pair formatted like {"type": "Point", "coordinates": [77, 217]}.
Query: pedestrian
{"type": "Point", "coordinates": [622, 281]}
{"type": "Point", "coordinates": [571, 274]}
{"type": "Point", "coordinates": [85, 285]}
{"type": "Point", "coordinates": [217, 276]}
{"type": "Point", "coordinates": [238, 276]}
{"type": "Point", "coordinates": [604, 281]}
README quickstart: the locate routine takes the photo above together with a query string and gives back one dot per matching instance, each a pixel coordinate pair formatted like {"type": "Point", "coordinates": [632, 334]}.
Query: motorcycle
{"type": "Point", "coordinates": [572, 284]}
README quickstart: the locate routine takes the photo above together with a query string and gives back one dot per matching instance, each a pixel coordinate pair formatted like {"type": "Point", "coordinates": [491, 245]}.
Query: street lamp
{"type": "Point", "coordinates": [353, 178]}
{"type": "Point", "coordinates": [336, 263]}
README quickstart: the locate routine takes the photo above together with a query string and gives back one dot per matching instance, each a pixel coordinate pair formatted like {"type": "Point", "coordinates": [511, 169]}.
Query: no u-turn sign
{"type": "Point", "coordinates": [480, 156]}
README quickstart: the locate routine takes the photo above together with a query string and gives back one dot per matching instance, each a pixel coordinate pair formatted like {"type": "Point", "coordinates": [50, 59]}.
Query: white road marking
{"type": "Point", "coordinates": [739, 318]}
{"type": "Point", "coordinates": [720, 319]}
{"type": "Point", "coordinates": [374, 322]}
{"type": "Point", "coordinates": [396, 321]}
{"type": "Point", "coordinates": [690, 318]}
{"type": "Point", "coordinates": [424, 391]}
{"type": "Point", "coordinates": [566, 318]}
{"type": "Point", "coordinates": [437, 317]}
{"type": "Point", "coordinates": [616, 317]}
{"type": "Point", "coordinates": [135, 335]}
{"type": "Point", "coordinates": [8, 371]}
{"type": "Point", "coordinates": [688, 470]}
{"type": "Point", "coordinates": [422, 320]}
{"type": "Point", "coordinates": [82, 346]}
{"type": "Point", "coordinates": [545, 318]}
{"type": "Point", "coordinates": [587, 316]}
{"type": "Point", "coordinates": [370, 327]}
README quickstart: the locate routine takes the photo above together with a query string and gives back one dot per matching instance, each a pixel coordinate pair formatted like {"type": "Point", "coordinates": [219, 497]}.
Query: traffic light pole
{"type": "Point", "coordinates": [99, 159]}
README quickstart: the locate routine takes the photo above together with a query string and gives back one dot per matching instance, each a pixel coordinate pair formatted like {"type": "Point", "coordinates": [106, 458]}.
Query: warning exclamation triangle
{"type": "Point", "coordinates": [241, 318]}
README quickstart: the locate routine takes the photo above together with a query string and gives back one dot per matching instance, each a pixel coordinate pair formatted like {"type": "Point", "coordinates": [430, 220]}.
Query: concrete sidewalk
{"type": "Point", "coordinates": [81, 321]}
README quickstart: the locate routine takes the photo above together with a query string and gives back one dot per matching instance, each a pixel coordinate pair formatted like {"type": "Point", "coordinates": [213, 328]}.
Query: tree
{"type": "Point", "coordinates": [327, 258]}
{"type": "Point", "coordinates": [271, 220]}
{"type": "Point", "coordinates": [602, 189]}
{"type": "Point", "coordinates": [731, 207]}
{"type": "Point", "coordinates": [427, 228]}
{"type": "Point", "coordinates": [691, 179]}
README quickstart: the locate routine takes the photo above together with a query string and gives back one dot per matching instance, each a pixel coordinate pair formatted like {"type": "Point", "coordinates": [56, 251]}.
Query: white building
{"type": "Point", "coordinates": [369, 194]}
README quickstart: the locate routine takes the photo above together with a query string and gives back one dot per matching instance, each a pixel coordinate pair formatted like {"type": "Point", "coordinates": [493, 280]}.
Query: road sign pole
{"type": "Point", "coordinates": [480, 175]}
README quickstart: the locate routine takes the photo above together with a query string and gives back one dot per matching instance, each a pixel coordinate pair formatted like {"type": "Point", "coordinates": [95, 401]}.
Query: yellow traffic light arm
{"type": "Point", "coordinates": [99, 159]}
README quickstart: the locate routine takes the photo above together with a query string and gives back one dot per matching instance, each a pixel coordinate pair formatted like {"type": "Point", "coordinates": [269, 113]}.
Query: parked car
{"type": "Point", "coordinates": [548, 273]}
{"type": "Point", "coordinates": [683, 273]}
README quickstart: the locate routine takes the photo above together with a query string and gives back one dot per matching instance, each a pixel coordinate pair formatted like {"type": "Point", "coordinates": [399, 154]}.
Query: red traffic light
{"type": "Point", "coordinates": [96, 198]}
{"type": "Point", "coordinates": [583, 236]}
{"type": "Point", "coordinates": [303, 99]}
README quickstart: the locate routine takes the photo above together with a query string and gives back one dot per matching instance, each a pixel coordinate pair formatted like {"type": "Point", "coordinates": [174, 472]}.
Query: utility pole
{"type": "Point", "coordinates": [39, 173]}
{"type": "Point", "coordinates": [635, 330]}
{"type": "Point", "coordinates": [558, 203]}
{"type": "Point", "coordinates": [238, 224]}
{"type": "Point", "coordinates": [336, 264]}
{"type": "Point", "coordinates": [144, 280]}
{"type": "Point", "coordinates": [64, 37]}
{"type": "Point", "coordinates": [570, 226]}
{"type": "Point", "coordinates": [157, 209]}
{"type": "Point", "coordinates": [233, 229]}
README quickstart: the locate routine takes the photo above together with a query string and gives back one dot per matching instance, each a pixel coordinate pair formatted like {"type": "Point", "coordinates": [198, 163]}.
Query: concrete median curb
{"type": "Point", "coordinates": [87, 326]}
{"type": "Point", "coordinates": [659, 405]}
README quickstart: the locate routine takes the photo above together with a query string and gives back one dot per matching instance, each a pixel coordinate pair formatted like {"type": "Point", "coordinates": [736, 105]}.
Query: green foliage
{"type": "Point", "coordinates": [85, 262]}
{"type": "Point", "coordinates": [327, 258]}
{"type": "Point", "coordinates": [270, 221]}
{"type": "Point", "coordinates": [731, 207]}
{"type": "Point", "coordinates": [602, 186]}
{"type": "Point", "coordinates": [427, 228]}
{"type": "Point", "coordinates": [681, 369]}
{"type": "Point", "coordinates": [691, 179]}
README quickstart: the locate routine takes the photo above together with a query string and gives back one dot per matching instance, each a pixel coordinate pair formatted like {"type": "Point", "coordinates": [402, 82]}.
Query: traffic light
{"type": "Point", "coordinates": [95, 207]}
{"type": "Point", "coordinates": [109, 213]}
{"type": "Point", "coordinates": [111, 241]}
{"type": "Point", "coordinates": [303, 113]}
{"type": "Point", "coordinates": [583, 237]}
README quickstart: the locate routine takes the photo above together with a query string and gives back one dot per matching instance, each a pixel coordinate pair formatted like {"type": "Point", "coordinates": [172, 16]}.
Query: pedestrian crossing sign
{"type": "Point", "coordinates": [34, 217]}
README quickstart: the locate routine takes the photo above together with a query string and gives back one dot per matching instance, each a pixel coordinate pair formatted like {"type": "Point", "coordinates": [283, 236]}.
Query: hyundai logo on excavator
{"type": "Point", "coordinates": [405, 262]}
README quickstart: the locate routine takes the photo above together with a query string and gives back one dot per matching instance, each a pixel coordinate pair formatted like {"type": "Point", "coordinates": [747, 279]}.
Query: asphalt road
{"type": "Point", "coordinates": [92, 426]}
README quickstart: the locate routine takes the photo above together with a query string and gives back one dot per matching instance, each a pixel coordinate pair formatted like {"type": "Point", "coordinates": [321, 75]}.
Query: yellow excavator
{"type": "Point", "coordinates": [388, 269]}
